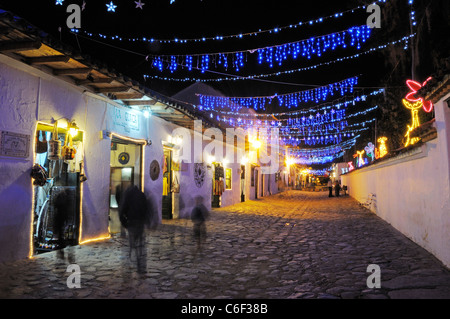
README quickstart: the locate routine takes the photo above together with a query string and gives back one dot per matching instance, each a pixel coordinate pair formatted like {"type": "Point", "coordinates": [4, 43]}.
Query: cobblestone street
{"type": "Point", "coordinates": [292, 245]}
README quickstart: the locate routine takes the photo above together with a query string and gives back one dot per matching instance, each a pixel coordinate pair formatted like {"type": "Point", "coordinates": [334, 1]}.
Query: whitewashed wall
{"type": "Point", "coordinates": [27, 96]}
{"type": "Point", "coordinates": [413, 190]}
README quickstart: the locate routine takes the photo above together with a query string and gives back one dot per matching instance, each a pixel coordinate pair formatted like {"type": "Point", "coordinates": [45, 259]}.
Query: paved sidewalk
{"type": "Point", "coordinates": [291, 245]}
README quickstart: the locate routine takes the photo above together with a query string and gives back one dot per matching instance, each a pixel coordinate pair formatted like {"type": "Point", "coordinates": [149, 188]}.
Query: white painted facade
{"type": "Point", "coordinates": [29, 96]}
{"type": "Point", "coordinates": [413, 189]}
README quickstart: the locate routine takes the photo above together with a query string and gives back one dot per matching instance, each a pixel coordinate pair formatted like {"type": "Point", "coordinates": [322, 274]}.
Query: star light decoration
{"type": "Point", "coordinates": [139, 4]}
{"type": "Point", "coordinates": [59, 2]}
{"type": "Point", "coordinates": [111, 7]}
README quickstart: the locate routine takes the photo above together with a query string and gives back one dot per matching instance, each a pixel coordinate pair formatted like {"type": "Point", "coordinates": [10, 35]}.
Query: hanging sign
{"type": "Point", "coordinates": [128, 120]}
{"type": "Point", "coordinates": [14, 144]}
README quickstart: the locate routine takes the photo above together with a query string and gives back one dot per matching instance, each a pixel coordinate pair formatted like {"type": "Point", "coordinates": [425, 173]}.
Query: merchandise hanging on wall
{"type": "Point", "coordinates": [39, 175]}
{"type": "Point", "coordinates": [54, 145]}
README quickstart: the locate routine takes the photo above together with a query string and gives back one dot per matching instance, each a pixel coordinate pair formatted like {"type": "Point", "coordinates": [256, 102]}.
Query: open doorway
{"type": "Point", "coordinates": [167, 211]}
{"type": "Point", "coordinates": [57, 187]}
{"type": "Point", "coordinates": [126, 168]}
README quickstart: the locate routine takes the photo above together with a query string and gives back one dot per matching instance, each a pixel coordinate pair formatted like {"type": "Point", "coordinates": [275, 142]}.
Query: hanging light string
{"type": "Point", "coordinates": [337, 103]}
{"type": "Point", "coordinates": [259, 77]}
{"type": "Point", "coordinates": [270, 55]}
{"type": "Point", "coordinates": [323, 138]}
{"type": "Point", "coordinates": [324, 151]}
{"type": "Point", "coordinates": [275, 30]}
{"type": "Point", "coordinates": [290, 100]}
{"type": "Point", "coordinates": [341, 128]}
{"type": "Point", "coordinates": [232, 77]}
{"type": "Point", "coordinates": [295, 122]}
{"type": "Point", "coordinates": [312, 141]}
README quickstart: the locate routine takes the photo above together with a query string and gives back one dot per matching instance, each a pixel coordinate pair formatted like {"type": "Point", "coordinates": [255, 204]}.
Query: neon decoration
{"type": "Point", "coordinates": [414, 107]}
{"type": "Point", "coordinates": [350, 166]}
{"type": "Point", "coordinates": [370, 148]}
{"type": "Point", "coordinates": [415, 86]}
{"type": "Point", "coordinates": [359, 160]}
{"type": "Point", "coordinates": [382, 150]}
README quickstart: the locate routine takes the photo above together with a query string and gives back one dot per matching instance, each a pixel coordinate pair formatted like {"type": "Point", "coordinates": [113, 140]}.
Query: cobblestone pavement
{"type": "Point", "coordinates": [291, 245]}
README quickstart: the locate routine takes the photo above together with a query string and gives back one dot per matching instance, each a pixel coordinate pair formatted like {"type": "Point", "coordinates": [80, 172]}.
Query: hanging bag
{"type": "Point", "coordinates": [54, 145]}
{"type": "Point", "coordinates": [68, 151]}
{"type": "Point", "coordinates": [175, 186]}
{"type": "Point", "coordinates": [41, 146]}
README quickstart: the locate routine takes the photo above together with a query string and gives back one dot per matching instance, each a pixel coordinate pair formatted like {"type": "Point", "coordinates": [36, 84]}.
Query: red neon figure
{"type": "Point", "coordinates": [350, 166]}
{"type": "Point", "coordinates": [415, 86]}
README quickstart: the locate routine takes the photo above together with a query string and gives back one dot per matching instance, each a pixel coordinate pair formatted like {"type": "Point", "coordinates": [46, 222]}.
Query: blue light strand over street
{"type": "Point", "coordinates": [270, 55]}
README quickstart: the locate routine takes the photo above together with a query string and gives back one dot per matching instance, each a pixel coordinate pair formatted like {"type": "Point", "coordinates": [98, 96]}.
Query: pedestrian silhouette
{"type": "Point", "coordinates": [330, 188]}
{"type": "Point", "coordinates": [119, 193]}
{"type": "Point", "coordinates": [134, 216]}
{"type": "Point", "coordinates": [199, 215]}
{"type": "Point", "coordinates": [337, 188]}
{"type": "Point", "coordinates": [60, 216]}
{"type": "Point", "coordinates": [60, 212]}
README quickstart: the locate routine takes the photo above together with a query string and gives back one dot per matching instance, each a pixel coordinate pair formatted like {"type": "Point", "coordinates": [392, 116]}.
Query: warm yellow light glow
{"type": "Point", "coordinates": [61, 124]}
{"type": "Point", "coordinates": [414, 107]}
{"type": "Point", "coordinates": [86, 241]}
{"type": "Point", "coordinates": [31, 244]}
{"type": "Point", "coordinates": [211, 159]}
{"type": "Point", "coordinates": [244, 160]}
{"type": "Point", "coordinates": [256, 143]}
{"type": "Point", "coordinates": [289, 161]}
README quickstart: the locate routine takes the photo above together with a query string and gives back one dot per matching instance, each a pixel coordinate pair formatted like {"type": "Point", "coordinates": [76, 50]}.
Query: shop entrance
{"type": "Point", "coordinates": [167, 212]}
{"type": "Point", "coordinates": [126, 166]}
{"type": "Point", "coordinates": [242, 183]}
{"type": "Point", "coordinates": [57, 181]}
{"type": "Point", "coordinates": [218, 185]}
{"type": "Point", "coordinates": [262, 184]}
{"type": "Point", "coordinates": [254, 176]}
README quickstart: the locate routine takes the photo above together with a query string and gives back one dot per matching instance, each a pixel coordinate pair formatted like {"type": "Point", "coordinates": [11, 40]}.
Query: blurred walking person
{"type": "Point", "coordinates": [134, 215]}
{"type": "Point", "coordinates": [337, 188]}
{"type": "Point", "coordinates": [199, 215]}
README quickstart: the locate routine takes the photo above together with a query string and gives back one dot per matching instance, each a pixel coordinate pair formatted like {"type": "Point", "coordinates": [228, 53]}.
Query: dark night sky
{"type": "Point", "coordinates": [195, 19]}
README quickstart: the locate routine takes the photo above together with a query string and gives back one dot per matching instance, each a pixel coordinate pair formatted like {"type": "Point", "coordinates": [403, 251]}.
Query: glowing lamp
{"type": "Point", "coordinates": [256, 144]}
{"type": "Point", "coordinates": [73, 129]}
{"type": "Point", "coordinates": [289, 161]}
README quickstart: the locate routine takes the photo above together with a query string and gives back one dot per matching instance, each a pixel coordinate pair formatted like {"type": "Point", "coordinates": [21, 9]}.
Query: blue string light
{"type": "Point", "coordinates": [317, 108]}
{"type": "Point", "coordinates": [291, 100]}
{"type": "Point", "coordinates": [260, 76]}
{"type": "Point", "coordinates": [274, 30]}
{"type": "Point", "coordinates": [272, 55]}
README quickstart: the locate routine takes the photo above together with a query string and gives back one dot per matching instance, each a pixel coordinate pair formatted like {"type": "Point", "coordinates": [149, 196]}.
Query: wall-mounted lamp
{"type": "Point", "coordinates": [73, 128]}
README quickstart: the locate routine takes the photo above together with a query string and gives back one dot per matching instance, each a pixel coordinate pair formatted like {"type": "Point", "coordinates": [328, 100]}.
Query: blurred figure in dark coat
{"type": "Point", "coordinates": [199, 215]}
{"type": "Point", "coordinates": [134, 215]}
